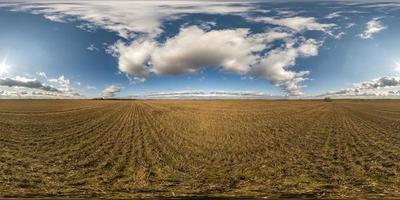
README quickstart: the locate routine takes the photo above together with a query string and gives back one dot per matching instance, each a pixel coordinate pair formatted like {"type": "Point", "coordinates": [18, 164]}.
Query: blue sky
{"type": "Point", "coordinates": [78, 49]}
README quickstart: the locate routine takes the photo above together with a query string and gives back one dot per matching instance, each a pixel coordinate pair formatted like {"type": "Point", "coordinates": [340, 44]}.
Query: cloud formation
{"type": "Point", "coordinates": [377, 87]}
{"type": "Point", "coordinates": [42, 74]}
{"type": "Point", "coordinates": [191, 50]}
{"type": "Point", "coordinates": [200, 94]}
{"type": "Point", "coordinates": [231, 50]}
{"type": "Point", "coordinates": [35, 84]}
{"type": "Point", "coordinates": [39, 87]}
{"type": "Point", "coordinates": [373, 26]}
{"type": "Point", "coordinates": [275, 66]}
{"type": "Point", "coordinates": [63, 84]}
{"type": "Point", "coordinates": [110, 91]}
{"type": "Point", "coordinates": [297, 24]}
{"type": "Point", "coordinates": [91, 47]}
{"type": "Point", "coordinates": [333, 15]}
{"type": "Point", "coordinates": [194, 48]}
{"type": "Point", "coordinates": [128, 18]}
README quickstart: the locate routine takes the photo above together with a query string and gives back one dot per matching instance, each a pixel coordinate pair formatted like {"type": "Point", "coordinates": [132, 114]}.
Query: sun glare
{"type": "Point", "coordinates": [4, 67]}
{"type": "Point", "coordinates": [396, 65]}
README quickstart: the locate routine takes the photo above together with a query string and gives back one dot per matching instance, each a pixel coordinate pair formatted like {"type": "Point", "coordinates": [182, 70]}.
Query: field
{"type": "Point", "coordinates": [122, 149]}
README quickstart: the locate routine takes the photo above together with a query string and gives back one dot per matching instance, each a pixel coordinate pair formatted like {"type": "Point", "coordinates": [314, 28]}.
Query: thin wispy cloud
{"type": "Point", "coordinates": [111, 91]}
{"type": "Point", "coordinates": [372, 27]}
{"type": "Point", "coordinates": [200, 94]}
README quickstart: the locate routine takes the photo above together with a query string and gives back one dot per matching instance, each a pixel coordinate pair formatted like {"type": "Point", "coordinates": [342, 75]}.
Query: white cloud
{"type": "Point", "coordinates": [275, 66]}
{"type": "Point", "coordinates": [24, 93]}
{"type": "Point", "coordinates": [193, 48]}
{"type": "Point", "coordinates": [92, 48]}
{"type": "Point", "coordinates": [373, 26]}
{"type": "Point", "coordinates": [24, 79]}
{"type": "Point", "coordinates": [377, 87]}
{"type": "Point", "coordinates": [55, 17]}
{"type": "Point", "coordinates": [200, 94]}
{"type": "Point", "coordinates": [208, 25]}
{"type": "Point", "coordinates": [380, 83]}
{"type": "Point", "coordinates": [233, 50]}
{"type": "Point", "coordinates": [349, 25]}
{"type": "Point", "coordinates": [133, 59]}
{"type": "Point", "coordinates": [128, 18]}
{"type": "Point", "coordinates": [285, 12]}
{"type": "Point", "coordinates": [41, 74]}
{"type": "Point", "coordinates": [297, 24]}
{"type": "Point", "coordinates": [333, 15]}
{"type": "Point", "coordinates": [62, 83]}
{"type": "Point", "coordinates": [110, 91]}
{"type": "Point", "coordinates": [247, 78]}
{"type": "Point", "coordinates": [26, 87]}
{"type": "Point", "coordinates": [89, 87]}
{"type": "Point", "coordinates": [26, 83]}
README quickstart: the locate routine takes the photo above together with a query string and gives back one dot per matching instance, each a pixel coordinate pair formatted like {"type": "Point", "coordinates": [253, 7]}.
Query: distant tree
{"type": "Point", "coordinates": [327, 99]}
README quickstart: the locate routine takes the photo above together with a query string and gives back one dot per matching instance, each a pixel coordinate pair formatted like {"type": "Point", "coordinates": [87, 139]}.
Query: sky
{"type": "Point", "coordinates": [199, 49]}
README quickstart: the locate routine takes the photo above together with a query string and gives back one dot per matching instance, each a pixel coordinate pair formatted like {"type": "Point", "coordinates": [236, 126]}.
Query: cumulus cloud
{"type": "Point", "coordinates": [28, 87]}
{"type": "Point", "coordinates": [110, 91]}
{"type": "Point", "coordinates": [64, 84]}
{"type": "Point", "coordinates": [192, 49]}
{"type": "Point", "coordinates": [133, 59]}
{"type": "Point", "coordinates": [275, 66]}
{"type": "Point", "coordinates": [233, 50]}
{"type": "Point", "coordinates": [373, 26]}
{"type": "Point", "coordinates": [380, 83]}
{"type": "Point", "coordinates": [377, 87]}
{"type": "Point", "coordinates": [18, 82]}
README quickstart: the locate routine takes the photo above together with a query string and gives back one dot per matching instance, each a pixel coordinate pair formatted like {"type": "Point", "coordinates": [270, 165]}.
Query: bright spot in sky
{"type": "Point", "coordinates": [4, 67]}
{"type": "Point", "coordinates": [397, 65]}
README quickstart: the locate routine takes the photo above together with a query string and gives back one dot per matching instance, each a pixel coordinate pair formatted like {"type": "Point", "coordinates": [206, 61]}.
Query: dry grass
{"type": "Point", "coordinates": [123, 149]}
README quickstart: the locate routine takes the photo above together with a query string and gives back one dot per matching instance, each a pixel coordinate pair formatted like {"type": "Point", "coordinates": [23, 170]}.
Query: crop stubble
{"type": "Point", "coordinates": [83, 148]}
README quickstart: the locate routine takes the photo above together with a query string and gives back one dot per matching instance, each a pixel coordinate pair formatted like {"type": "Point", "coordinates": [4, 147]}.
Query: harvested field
{"type": "Point", "coordinates": [120, 149]}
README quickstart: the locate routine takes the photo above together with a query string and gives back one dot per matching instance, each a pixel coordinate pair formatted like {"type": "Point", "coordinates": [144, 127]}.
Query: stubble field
{"type": "Point", "coordinates": [122, 149]}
